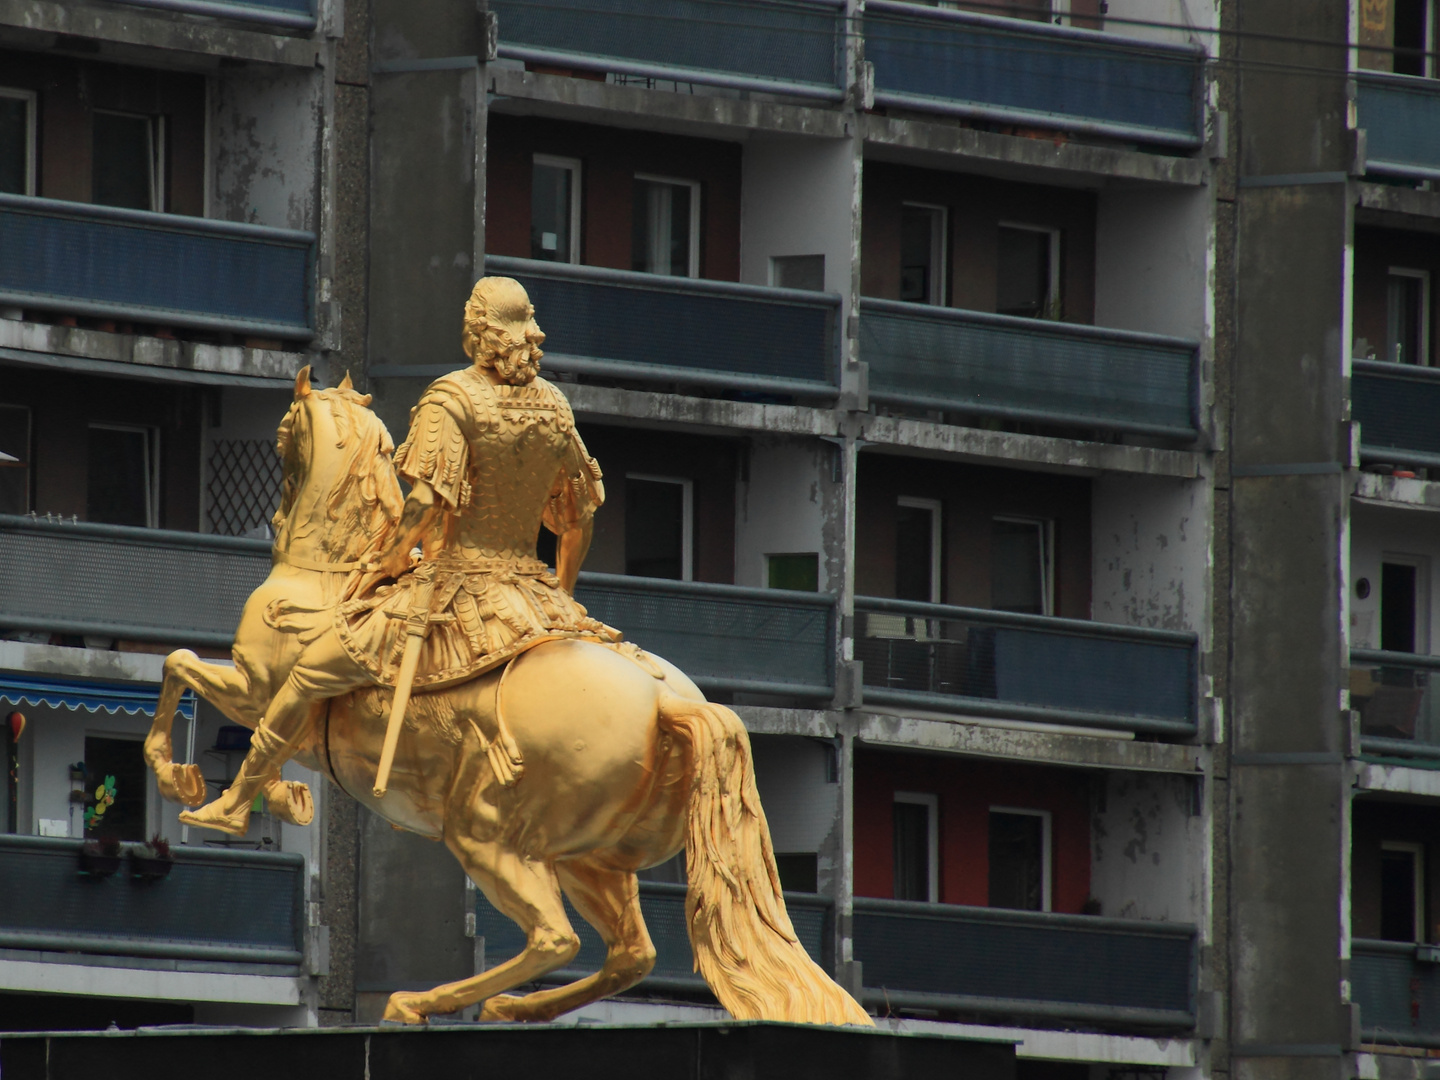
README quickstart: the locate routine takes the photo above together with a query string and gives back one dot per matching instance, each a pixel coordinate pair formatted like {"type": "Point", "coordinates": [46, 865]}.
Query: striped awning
{"type": "Point", "coordinates": [131, 698]}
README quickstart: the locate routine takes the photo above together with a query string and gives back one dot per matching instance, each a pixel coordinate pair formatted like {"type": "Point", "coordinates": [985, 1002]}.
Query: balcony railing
{"type": "Point", "coordinates": [1396, 696]}
{"type": "Point", "coordinates": [1401, 118]}
{"type": "Point", "coordinates": [1026, 963]}
{"type": "Point", "coordinates": [1035, 74]}
{"type": "Point", "coordinates": [663, 905]}
{"type": "Point", "coordinates": [652, 328]}
{"type": "Point", "coordinates": [164, 268]}
{"type": "Point", "coordinates": [1396, 405]}
{"type": "Point", "coordinates": [722, 636]}
{"type": "Point", "coordinates": [1030, 369]}
{"type": "Point", "coordinates": [778, 46]}
{"type": "Point", "coordinates": [215, 905]}
{"type": "Point", "coordinates": [280, 14]}
{"type": "Point", "coordinates": [1397, 986]}
{"type": "Point", "coordinates": [1027, 667]}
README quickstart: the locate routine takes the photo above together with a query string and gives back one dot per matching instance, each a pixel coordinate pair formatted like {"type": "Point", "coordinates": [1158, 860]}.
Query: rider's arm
{"type": "Point", "coordinates": [417, 519]}
{"type": "Point", "coordinates": [570, 549]}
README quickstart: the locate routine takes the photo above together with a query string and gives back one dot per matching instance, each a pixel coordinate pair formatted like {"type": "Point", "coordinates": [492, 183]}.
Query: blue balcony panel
{"type": "Point", "coordinates": [989, 960]}
{"type": "Point", "coordinates": [132, 264]}
{"type": "Point", "coordinates": [1027, 667]}
{"type": "Point", "coordinates": [663, 905]}
{"type": "Point", "coordinates": [1396, 405]}
{"type": "Point", "coordinates": [1400, 115]}
{"type": "Point", "coordinates": [215, 905]}
{"type": "Point", "coordinates": [274, 14]}
{"type": "Point", "coordinates": [722, 636]}
{"type": "Point", "coordinates": [781, 46]}
{"type": "Point", "coordinates": [1030, 369]}
{"type": "Point", "coordinates": [1397, 986]}
{"type": "Point", "coordinates": [1011, 71]}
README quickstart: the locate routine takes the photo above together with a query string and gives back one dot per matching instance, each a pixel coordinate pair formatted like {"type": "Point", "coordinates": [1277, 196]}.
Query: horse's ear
{"type": "Point", "coordinates": [345, 383]}
{"type": "Point", "coordinates": [302, 382]}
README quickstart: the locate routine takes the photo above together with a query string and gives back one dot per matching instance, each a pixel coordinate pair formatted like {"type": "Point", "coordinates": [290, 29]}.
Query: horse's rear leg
{"type": "Point", "coordinates": [609, 900]}
{"type": "Point", "coordinates": [528, 893]}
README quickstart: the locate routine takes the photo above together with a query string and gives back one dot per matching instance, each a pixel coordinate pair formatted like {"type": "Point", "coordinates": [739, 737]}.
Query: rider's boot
{"type": "Point", "coordinates": [231, 811]}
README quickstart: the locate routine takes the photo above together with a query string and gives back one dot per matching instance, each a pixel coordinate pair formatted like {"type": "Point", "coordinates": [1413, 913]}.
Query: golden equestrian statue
{"type": "Point", "coordinates": [466, 696]}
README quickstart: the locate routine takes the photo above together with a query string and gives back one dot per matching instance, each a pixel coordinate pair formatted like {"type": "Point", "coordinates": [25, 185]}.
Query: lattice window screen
{"type": "Point", "coordinates": [244, 488]}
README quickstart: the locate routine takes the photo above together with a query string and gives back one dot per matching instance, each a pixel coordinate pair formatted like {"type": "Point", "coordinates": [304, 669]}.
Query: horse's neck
{"type": "Point", "coordinates": [310, 534]}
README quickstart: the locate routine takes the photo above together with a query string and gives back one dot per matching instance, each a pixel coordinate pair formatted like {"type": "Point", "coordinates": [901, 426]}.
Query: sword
{"type": "Point", "coordinates": [417, 625]}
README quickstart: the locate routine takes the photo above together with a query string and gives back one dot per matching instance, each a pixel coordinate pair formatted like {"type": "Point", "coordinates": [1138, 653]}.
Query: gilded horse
{"type": "Point", "coordinates": [625, 765]}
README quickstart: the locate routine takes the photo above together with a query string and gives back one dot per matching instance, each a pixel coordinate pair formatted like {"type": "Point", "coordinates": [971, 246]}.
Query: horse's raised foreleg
{"type": "Point", "coordinates": [222, 686]}
{"type": "Point", "coordinates": [528, 893]}
{"type": "Point", "coordinates": [609, 900]}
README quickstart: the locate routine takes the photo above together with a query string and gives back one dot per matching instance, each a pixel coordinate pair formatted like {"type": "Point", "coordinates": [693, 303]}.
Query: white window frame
{"type": "Point", "coordinates": [687, 517]}
{"type": "Point", "coordinates": [693, 267]}
{"type": "Point", "coordinates": [932, 804]}
{"type": "Point", "coordinates": [1421, 563]}
{"type": "Point", "coordinates": [152, 466]}
{"type": "Point", "coordinates": [1052, 297]}
{"type": "Point", "coordinates": [155, 159]}
{"type": "Point", "coordinates": [573, 165]}
{"type": "Point", "coordinates": [1047, 556]}
{"type": "Point", "coordinates": [936, 508]}
{"type": "Point", "coordinates": [1417, 854]}
{"type": "Point", "coordinates": [1046, 856]}
{"type": "Point", "coordinates": [31, 98]}
{"type": "Point", "coordinates": [939, 232]}
{"type": "Point", "coordinates": [1423, 276]}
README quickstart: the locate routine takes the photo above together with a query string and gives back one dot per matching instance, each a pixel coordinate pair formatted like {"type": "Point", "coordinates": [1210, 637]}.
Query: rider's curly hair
{"type": "Point", "coordinates": [496, 304]}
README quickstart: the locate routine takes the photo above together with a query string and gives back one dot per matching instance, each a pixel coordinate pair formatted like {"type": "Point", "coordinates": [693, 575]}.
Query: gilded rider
{"type": "Point", "coordinates": [492, 454]}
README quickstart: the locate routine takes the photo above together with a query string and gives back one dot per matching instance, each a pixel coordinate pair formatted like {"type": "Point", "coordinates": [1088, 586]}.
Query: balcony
{"type": "Point", "coordinates": [989, 961]}
{"type": "Point", "coordinates": [278, 14]}
{"type": "Point", "coordinates": [1016, 72]}
{"type": "Point", "coordinates": [664, 907]}
{"type": "Point", "coordinates": [1030, 369]}
{"type": "Point", "coordinates": [216, 906]}
{"type": "Point", "coordinates": [650, 328]}
{"type": "Point", "coordinates": [724, 637]}
{"type": "Point", "coordinates": [1397, 986]}
{"type": "Point", "coordinates": [794, 47]}
{"type": "Point", "coordinates": [1400, 115]}
{"type": "Point", "coordinates": [1396, 405]}
{"type": "Point", "coordinates": [102, 261]}
{"type": "Point", "coordinates": [1027, 667]}
{"type": "Point", "coordinates": [1399, 715]}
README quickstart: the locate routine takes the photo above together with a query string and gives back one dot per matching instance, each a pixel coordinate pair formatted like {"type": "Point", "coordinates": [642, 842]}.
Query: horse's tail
{"type": "Point", "coordinates": [743, 941]}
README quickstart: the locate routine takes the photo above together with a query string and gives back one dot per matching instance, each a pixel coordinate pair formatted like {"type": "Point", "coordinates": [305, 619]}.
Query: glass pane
{"type": "Point", "coordinates": [917, 247]}
{"type": "Point", "coordinates": [799, 272]}
{"type": "Point", "coordinates": [122, 161]}
{"type": "Point", "coordinates": [654, 529]}
{"type": "Point", "coordinates": [1016, 581]}
{"type": "Point", "coordinates": [1404, 311]}
{"type": "Point", "coordinates": [914, 557]}
{"type": "Point", "coordinates": [1397, 896]}
{"type": "Point", "coordinates": [1017, 848]}
{"type": "Point", "coordinates": [119, 477]}
{"type": "Point", "coordinates": [1023, 273]}
{"type": "Point", "coordinates": [798, 871]}
{"type": "Point", "coordinates": [799, 573]}
{"type": "Point", "coordinates": [115, 784]}
{"type": "Point", "coordinates": [660, 228]}
{"type": "Point", "coordinates": [1410, 43]}
{"type": "Point", "coordinates": [551, 195]}
{"type": "Point", "coordinates": [912, 851]}
{"type": "Point", "coordinates": [14, 443]}
{"type": "Point", "coordinates": [1397, 607]}
{"type": "Point", "coordinates": [14, 140]}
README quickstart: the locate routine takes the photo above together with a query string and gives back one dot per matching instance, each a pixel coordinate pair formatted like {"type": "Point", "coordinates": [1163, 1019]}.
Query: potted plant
{"type": "Point", "coordinates": [152, 860]}
{"type": "Point", "coordinates": [100, 858]}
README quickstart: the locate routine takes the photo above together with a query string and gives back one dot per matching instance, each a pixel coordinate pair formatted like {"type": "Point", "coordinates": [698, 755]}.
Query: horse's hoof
{"type": "Point", "coordinates": [290, 801]}
{"type": "Point", "coordinates": [502, 1007]}
{"type": "Point", "coordinates": [181, 783]}
{"type": "Point", "coordinates": [398, 1010]}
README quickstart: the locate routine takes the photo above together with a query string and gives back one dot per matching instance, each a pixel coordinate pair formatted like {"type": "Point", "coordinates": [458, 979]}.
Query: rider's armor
{"type": "Point", "coordinates": [501, 459]}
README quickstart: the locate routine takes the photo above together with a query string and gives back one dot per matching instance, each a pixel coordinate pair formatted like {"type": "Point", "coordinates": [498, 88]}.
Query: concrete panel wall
{"type": "Point", "coordinates": [1148, 848]}
{"type": "Point", "coordinates": [1376, 536]}
{"type": "Point", "coordinates": [785, 508]}
{"type": "Point", "coordinates": [265, 146]}
{"type": "Point", "coordinates": [801, 803]}
{"type": "Point", "coordinates": [1154, 261]}
{"type": "Point", "coordinates": [1152, 555]}
{"type": "Point", "coordinates": [1181, 22]}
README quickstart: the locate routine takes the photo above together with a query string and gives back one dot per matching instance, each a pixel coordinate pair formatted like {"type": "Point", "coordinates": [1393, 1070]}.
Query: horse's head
{"type": "Point", "coordinates": [340, 494]}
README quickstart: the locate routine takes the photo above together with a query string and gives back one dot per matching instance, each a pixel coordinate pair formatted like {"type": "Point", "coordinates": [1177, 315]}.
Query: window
{"type": "Point", "coordinates": [917, 847]}
{"type": "Point", "coordinates": [798, 272]}
{"type": "Point", "coordinates": [658, 534]}
{"type": "Point", "coordinates": [1028, 272]}
{"type": "Point", "coordinates": [115, 785]}
{"type": "Point", "coordinates": [555, 209]}
{"type": "Point", "coordinates": [917, 550]}
{"type": "Point", "coordinates": [1402, 891]}
{"type": "Point", "coordinates": [922, 254]}
{"type": "Point", "coordinates": [1019, 858]}
{"type": "Point", "coordinates": [1022, 565]}
{"type": "Point", "coordinates": [799, 572]}
{"type": "Point", "coordinates": [127, 160]}
{"type": "Point", "coordinates": [124, 475]}
{"type": "Point", "coordinates": [17, 141]}
{"type": "Point", "coordinates": [1404, 603]}
{"type": "Point", "coordinates": [14, 459]}
{"type": "Point", "coordinates": [1407, 316]}
{"type": "Point", "coordinates": [665, 227]}
{"type": "Point", "coordinates": [799, 871]}
{"type": "Point", "coordinates": [1414, 27]}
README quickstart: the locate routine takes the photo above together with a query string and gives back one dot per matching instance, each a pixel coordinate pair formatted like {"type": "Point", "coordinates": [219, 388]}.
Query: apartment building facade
{"type": "Point", "coordinates": [1019, 414]}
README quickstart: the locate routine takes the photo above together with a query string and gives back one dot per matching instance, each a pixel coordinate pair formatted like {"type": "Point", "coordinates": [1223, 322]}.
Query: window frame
{"type": "Point", "coordinates": [1416, 850]}
{"type": "Point", "coordinates": [1054, 307]}
{"type": "Point", "coordinates": [1047, 851]}
{"type": "Point", "coordinates": [1047, 555]}
{"type": "Point", "coordinates": [693, 267]}
{"type": "Point", "coordinates": [687, 513]}
{"type": "Point", "coordinates": [1423, 276]}
{"type": "Point", "coordinates": [575, 166]}
{"type": "Point", "coordinates": [937, 509]}
{"type": "Point", "coordinates": [931, 802]}
{"type": "Point", "coordinates": [152, 464]}
{"type": "Point", "coordinates": [31, 99]}
{"type": "Point", "coordinates": [939, 246]}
